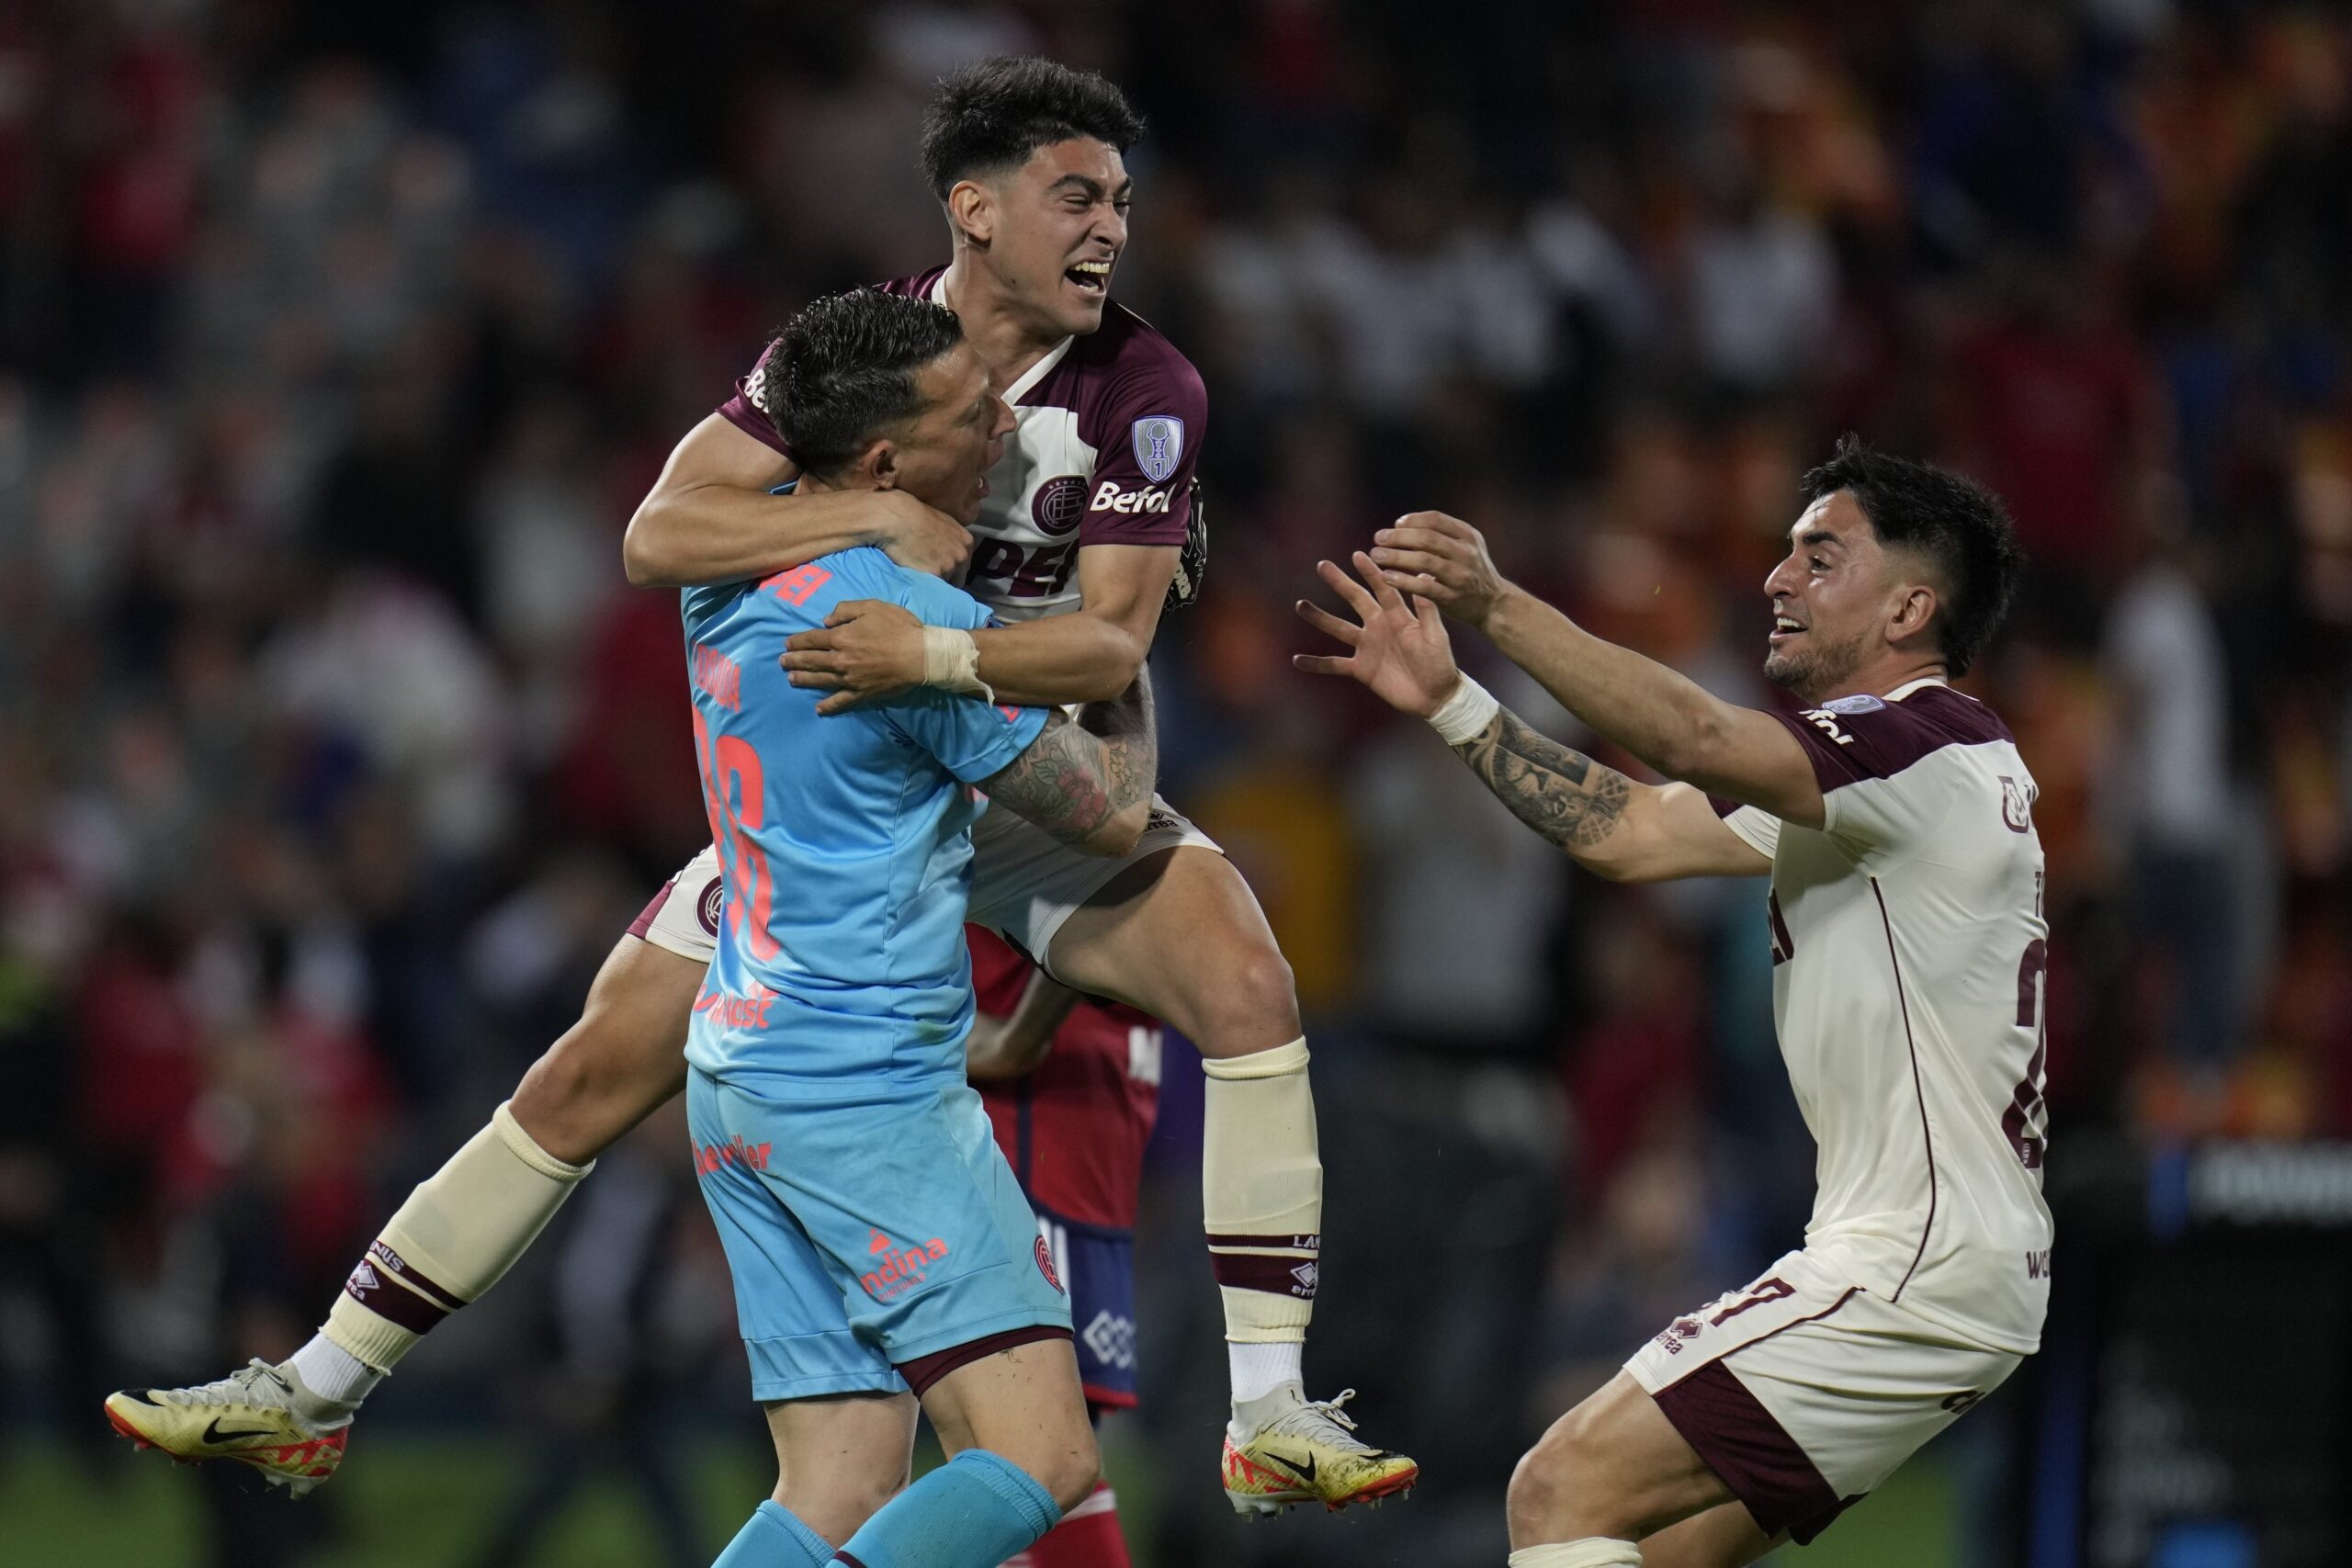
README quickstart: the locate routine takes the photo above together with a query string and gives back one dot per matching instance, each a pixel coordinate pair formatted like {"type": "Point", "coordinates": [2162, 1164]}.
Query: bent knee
{"type": "Point", "coordinates": [1070, 1478]}
{"type": "Point", "coordinates": [1553, 1480]}
{"type": "Point", "coordinates": [1252, 1007]}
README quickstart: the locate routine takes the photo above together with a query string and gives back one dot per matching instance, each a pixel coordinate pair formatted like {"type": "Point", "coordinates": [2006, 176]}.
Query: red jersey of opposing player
{"type": "Point", "coordinates": [1074, 1131]}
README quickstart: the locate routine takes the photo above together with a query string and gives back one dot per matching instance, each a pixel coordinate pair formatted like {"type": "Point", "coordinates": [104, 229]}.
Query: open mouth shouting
{"type": "Point", "coordinates": [1091, 277]}
{"type": "Point", "coordinates": [1785, 629]}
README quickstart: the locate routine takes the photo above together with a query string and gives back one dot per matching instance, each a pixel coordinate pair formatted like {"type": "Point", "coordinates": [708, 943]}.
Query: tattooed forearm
{"type": "Point", "coordinates": [1129, 731]}
{"type": "Point", "coordinates": [1563, 795]}
{"type": "Point", "coordinates": [1063, 782]}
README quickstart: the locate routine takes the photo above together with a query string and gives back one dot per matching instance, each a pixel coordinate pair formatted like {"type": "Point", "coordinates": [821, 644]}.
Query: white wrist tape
{"type": "Point", "coordinates": [1466, 713]}
{"type": "Point", "coordinates": [951, 662]}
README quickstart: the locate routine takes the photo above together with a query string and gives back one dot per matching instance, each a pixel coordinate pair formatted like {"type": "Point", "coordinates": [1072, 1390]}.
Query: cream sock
{"type": "Point", "coordinates": [1261, 1196]}
{"type": "Point", "coordinates": [455, 1238]}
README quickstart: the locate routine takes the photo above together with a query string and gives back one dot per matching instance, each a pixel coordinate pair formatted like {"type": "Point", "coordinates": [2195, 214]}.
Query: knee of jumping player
{"type": "Point", "coordinates": [1251, 1006]}
{"type": "Point", "coordinates": [1552, 1495]}
{"type": "Point", "coordinates": [620, 1061]}
{"type": "Point", "coordinates": [591, 1086]}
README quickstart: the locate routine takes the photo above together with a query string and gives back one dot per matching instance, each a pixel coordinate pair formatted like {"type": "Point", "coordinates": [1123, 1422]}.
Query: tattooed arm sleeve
{"type": "Point", "coordinates": [1611, 826]}
{"type": "Point", "coordinates": [1088, 783]}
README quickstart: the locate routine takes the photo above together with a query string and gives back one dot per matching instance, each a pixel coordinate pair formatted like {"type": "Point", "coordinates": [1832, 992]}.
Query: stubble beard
{"type": "Point", "coordinates": [1813, 671]}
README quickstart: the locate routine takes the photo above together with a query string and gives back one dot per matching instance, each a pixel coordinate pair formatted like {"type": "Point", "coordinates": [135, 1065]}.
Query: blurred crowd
{"type": "Point", "coordinates": [337, 345]}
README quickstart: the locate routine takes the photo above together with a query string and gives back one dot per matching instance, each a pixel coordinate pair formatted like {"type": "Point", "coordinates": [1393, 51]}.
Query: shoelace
{"type": "Point", "coordinates": [237, 1387]}
{"type": "Point", "coordinates": [1329, 1411]}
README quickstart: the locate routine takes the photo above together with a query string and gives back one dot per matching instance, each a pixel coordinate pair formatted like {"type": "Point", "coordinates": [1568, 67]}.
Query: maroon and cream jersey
{"type": "Point", "coordinates": [1908, 950]}
{"type": "Point", "coordinates": [1109, 427]}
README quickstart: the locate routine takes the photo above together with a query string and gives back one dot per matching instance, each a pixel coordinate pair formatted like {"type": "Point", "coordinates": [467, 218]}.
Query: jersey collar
{"type": "Point", "coordinates": [1035, 374]}
{"type": "Point", "coordinates": [1908, 688]}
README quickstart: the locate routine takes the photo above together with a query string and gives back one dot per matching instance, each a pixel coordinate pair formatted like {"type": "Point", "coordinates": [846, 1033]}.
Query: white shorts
{"type": "Point", "coordinates": [1803, 1390]}
{"type": "Point", "coordinates": [1025, 883]}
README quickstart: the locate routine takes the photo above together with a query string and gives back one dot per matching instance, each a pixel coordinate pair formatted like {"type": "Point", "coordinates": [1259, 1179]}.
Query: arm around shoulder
{"type": "Point", "coordinates": [711, 517]}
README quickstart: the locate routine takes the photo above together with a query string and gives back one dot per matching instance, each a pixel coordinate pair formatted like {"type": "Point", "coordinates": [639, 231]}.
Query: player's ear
{"type": "Point", "coordinates": [878, 465]}
{"type": "Point", "coordinates": [971, 208]}
{"type": "Point", "coordinates": [1915, 605]}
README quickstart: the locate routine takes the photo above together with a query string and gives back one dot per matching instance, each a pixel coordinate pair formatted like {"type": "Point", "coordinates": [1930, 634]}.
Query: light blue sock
{"type": "Point", "coordinates": [772, 1537]}
{"type": "Point", "coordinates": [972, 1512]}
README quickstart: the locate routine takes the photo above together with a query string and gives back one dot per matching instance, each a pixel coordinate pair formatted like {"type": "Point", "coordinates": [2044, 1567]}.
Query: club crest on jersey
{"type": "Point", "coordinates": [2017, 805]}
{"type": "Point", "coordinates": [1059, 505]}
{"type": "Point", "coordinates": [1159, 443]}
{"type": "Point", "coordinates": [1045, 1266]}
{"type": "Point", "coordinates": [714, 900]}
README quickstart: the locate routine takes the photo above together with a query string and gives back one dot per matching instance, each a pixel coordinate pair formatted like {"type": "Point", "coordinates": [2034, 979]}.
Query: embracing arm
{"type": "Point", "coordinates": [869, 649]}
{"type": "Point", "coordinates": [1087, 781]}
{"type": "Point", "coordinates": [1094, 652]}
{"type": "Point", "coordinates": [709, 518]}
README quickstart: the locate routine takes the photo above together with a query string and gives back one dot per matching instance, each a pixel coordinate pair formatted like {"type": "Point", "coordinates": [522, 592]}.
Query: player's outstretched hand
{"type": "Point", "coordinates": [868, 648]}
{"type": "Point", "coordinates": [1442, 559]}
{"type": "Point", "coordinates": [1401, 650]}
{"type": "Point", "coordinates": [918, 537]}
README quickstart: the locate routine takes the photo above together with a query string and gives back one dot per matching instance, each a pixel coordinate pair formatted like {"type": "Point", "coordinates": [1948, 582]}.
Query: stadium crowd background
{"type": "Point", "coordinates": [337, 343]}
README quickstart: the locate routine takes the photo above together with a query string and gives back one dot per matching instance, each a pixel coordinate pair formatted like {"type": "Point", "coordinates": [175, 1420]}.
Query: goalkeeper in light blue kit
{"type": "Point", "coordinates": [881, 1249]}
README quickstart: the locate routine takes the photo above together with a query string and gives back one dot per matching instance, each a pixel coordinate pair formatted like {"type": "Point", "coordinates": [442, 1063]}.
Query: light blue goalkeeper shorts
{"type": "Point", "coordinates": [869, 1235]}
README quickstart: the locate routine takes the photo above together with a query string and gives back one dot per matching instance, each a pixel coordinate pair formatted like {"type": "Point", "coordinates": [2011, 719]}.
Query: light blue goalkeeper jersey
{"type": "Point", "coordinates": [840, 968]}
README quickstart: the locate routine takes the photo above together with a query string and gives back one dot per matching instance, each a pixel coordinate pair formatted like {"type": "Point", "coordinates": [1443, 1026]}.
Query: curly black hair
{"type": "Point", "coordinates": [993, 114]}
{"type": "Point", "coordinates": [1961, 530]}
{"type": "Point", "coordinates": [842, 371]}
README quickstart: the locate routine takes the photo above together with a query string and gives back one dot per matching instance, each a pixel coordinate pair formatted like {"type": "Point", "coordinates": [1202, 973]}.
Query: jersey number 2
{"type": "Point", "coordinates": [2026, 1120]}
{"type": "Point", "coordinates": [733, 793]}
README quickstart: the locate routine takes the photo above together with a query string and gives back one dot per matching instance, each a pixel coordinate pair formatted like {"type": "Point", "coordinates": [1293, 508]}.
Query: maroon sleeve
{"type": "Point", "coordinates": [744, 410]}
{"type": "Point", "coordinates": [1860, 738]}
{"type": "Point", "coordinates": [1146, 434]}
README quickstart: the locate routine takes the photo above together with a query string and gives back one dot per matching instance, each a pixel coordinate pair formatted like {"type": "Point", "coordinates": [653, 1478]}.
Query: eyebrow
{"type": "Point", "coordinates": [1089, 185]}
{"type": "Point", "coordinates": [1818, 536]}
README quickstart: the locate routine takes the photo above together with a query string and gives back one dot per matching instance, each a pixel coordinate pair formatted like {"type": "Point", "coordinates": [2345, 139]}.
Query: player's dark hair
{"type": "Point", "coordinates": [994, 113]}
{"type": "Point", "coordinates": [1961, 530]}
{"type": "Point", "coordinates": [842, 372]}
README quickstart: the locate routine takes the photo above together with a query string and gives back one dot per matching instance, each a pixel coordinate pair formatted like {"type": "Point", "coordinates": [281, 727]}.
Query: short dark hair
{"type": "Point", "coordinates": [843, 370]}
{"type": "Point", "coordinates": [1959, 527]}
{"type": "Point", "coordinates": [994, 113]}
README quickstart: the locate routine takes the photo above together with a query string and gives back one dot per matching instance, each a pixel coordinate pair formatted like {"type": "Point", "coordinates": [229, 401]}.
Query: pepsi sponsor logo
{"type": "Point", "coordinates": [1059, 505]}
{"type": "Point", "coordinates": [1859, 703]}
{"type": "Point", "coordinates": [1159, 445]}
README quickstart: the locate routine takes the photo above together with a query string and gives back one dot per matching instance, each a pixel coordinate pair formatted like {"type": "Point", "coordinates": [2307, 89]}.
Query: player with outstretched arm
{"type": "Point", "coordinates": [1894, 815]}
